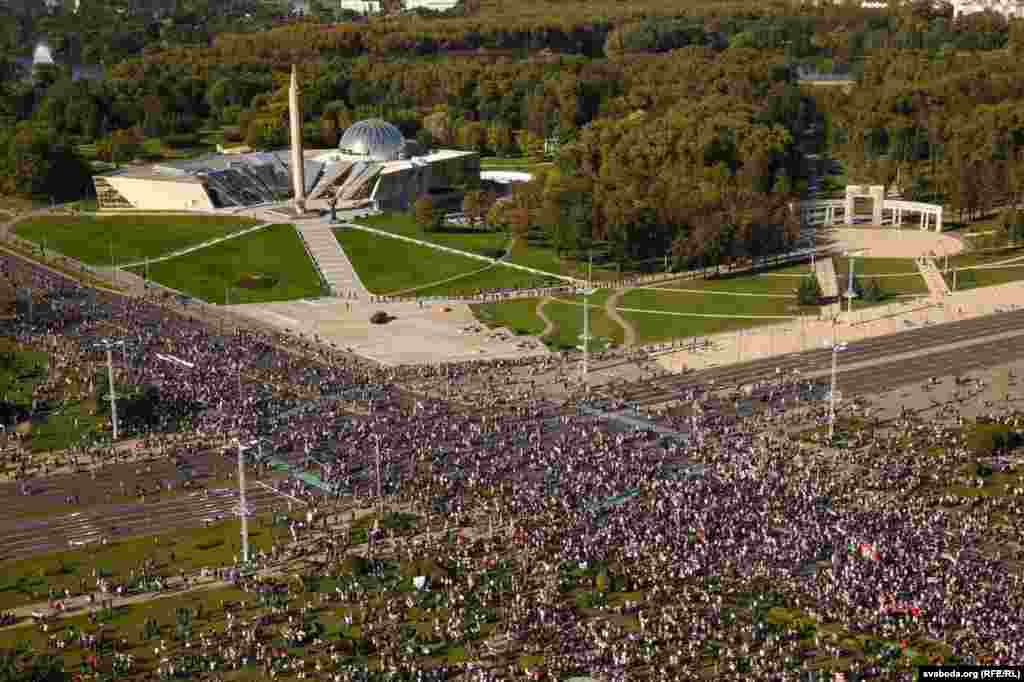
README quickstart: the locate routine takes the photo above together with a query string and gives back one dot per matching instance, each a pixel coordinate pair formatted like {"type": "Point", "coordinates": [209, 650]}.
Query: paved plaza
{"type": "Point", "coordinates": [416, 334]}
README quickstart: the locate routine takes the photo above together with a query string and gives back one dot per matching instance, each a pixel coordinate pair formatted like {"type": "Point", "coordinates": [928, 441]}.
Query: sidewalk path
{"type": "Point", "coordinates": [825, 271]}
{"type": "Point", "coordinates": [549, 326]}
{"type": "Point", "coordinates": [611, 310]}
{"type": "Point", "coordinates": [937, 286]}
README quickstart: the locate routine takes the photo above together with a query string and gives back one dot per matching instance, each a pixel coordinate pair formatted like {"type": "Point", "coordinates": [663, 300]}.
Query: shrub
{"type": "Point", "coordinates": [181, 140]}
{"type": "Point", "coordinates": [232, 133]}
{"type": "Point", "coordinates": [810, 290]}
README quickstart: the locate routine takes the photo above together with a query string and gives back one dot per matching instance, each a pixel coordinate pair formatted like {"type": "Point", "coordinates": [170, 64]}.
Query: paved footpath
{"type": "Point", "coordinates": [825, 270]}
{"type": "Point", "coordinates": [937, 286]}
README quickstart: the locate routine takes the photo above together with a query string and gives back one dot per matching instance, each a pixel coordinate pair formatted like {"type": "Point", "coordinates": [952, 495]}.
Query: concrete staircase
{"type": "Point", "coordinates": [330, 258]}
{"type": "Point", "coordinates": [825, 271]}
{"type": "Point", "coordinates": [937, 286]}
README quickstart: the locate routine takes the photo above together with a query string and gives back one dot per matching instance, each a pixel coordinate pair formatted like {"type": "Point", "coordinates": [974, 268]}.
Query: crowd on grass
{"type": "Point", "coordinates": [551, 542]}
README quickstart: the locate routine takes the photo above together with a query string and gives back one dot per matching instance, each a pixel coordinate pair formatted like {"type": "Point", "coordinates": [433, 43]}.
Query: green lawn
{"type": "Point", "coordinates": [652, 327]}
{"type": "Point", "coordinates": [896, 276]}
{"type": "Point", "coordinates": [267, 265]}
{"type": "Point", "coordinates": [966, 260]}
{"type": "Point", "coordinates": [568, 319]}
{"type": "Point", "coordinates": [498, 276]}
{"type": "Point", "coordinates": [490, 244]}
{"type": "Point", "coordinates": [91, 238]}
{"type": "Point", "coordinates": [21, 371]}
{"type": "Point", "coordinates": [391, 265]}
{"type": "Point", "coordinates": [62, 430]}
{"type": "Point", "coordinates": [493, 244]}
{"type": "Point", "coordinates": [28, 580]}
{"type": "Point", "coordinates": [566, 313]}
{"type": "Point", "coordinates": [516, 315]}
{"type": "Point", "coordinates": [741, 283]}
{"type": "Point", "coordinates": [972, 279]}
{"type": "Point", "coordinates": [707, 303]}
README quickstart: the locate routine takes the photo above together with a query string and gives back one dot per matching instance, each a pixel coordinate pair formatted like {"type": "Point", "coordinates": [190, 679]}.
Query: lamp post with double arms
{"type": "Point", "coordinates": [109, 346]}
{"type": "Point", "coordinates": [836, 349]}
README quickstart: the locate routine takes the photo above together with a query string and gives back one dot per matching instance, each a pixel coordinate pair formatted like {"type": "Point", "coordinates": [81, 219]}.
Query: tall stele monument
{"type": "Point", "coordinates": [298, 170]}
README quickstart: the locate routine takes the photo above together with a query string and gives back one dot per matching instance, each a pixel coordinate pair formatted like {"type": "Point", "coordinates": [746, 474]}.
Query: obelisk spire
{"type": "Point", "coordinates": [298, 169]}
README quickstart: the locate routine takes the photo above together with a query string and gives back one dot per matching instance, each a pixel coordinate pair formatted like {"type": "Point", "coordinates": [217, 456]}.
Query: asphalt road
{"type": "Point", "coordinates": [866, 380]}
{"type": "Point", "coordinates": [21, 538]}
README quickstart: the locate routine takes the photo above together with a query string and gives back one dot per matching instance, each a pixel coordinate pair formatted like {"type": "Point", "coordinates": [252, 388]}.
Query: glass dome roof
{"type": "Point", "coordinates": [373, 138]}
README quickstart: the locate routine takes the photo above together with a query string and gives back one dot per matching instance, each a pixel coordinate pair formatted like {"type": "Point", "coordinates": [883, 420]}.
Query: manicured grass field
{"type": "Point", "coordinates": [740, 283]}
{"type": "Point", "coordinates": [90, 238]}
{"type": "Point", "coordinates": [652, 327]}
{"type": "Point", "coordinates": [565, 312]}
{"type": "Point", "coordinates": [972, 279]}
{"type": "Point", "coordinates": [267, 265]}
{"type": "Point", "coordinates": [496, 277]}
{"type": "Point", "coordinates": [515, 315]}
{"type": "Point", "coordinates": [965, 260]}
{"type": "Point", "coordinates": [391, 265]}
{"type": "Point", "coordinates": [896, 276]}
{"type": "Point", "coordinates": [707, 303]}
{"type": "Point", "coordinates": [490, 244]}
{"type": "Point", "coordinates": [568, 319]}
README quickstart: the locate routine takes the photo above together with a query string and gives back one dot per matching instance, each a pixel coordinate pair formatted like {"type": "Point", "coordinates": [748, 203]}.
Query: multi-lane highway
{"type": "Point", "coordinates": [63, 531]}
{"type": "Point", "coordinates": [29, 526]}
{"type": "Point", "coordinates": [927, 342]}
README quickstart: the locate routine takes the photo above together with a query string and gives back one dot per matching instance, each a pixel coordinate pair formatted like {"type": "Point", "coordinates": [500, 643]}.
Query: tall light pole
{"type": "Point", "coordinates": [109, 346]}
{"type": "Point", "coordinates": [586, 291]}
{"type": "Point", "coordinates": [836, 349]}
{"type": "Point", "coordinates": [243, 508]}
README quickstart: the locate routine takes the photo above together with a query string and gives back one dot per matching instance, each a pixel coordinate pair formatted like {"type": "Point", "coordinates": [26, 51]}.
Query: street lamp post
{"type": "Point", "coordinates": [836, 349]}
{"type": "Point", "coordinates": [243, 508]}
{"type": "Point", "coordinates": [587, 291]}
{"type": "Point", "coordinates": [109, 346]}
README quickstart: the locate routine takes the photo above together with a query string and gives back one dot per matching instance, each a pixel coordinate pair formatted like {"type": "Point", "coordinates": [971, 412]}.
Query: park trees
{"type": "Point", "coordinates": [35, 162]}
{"type": "Point", "coordinates": [476, 204]}
{"type": "Point", "coordinates": [809, 291]}
{"type": "Point", "coordinates": [427, 214]}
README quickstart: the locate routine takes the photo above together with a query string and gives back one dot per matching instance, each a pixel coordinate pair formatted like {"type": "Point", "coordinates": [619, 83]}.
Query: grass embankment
{"type": "Point", "coordinates": [565, 312]}
{"type": "Point", "coordinates": [266, 265]}
{"type": "Point", "coordinates": [71, 418]}
{"type": "Point", "coordinates": [532, 253]}
{"type": "Point", "coordinates": [387, 266]}
{"type": "Point", "coordinates": [971, 270]}
{"type": "Point", "coordinates": [95, 239]}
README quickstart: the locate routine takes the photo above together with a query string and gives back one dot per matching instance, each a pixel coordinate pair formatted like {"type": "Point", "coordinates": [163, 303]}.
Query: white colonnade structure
{"type": "Point", "coordinates": [884, 211]}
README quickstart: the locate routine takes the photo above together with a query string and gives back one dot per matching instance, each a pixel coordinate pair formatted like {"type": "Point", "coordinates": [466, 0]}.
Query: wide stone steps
{"type": "Point", "coordinates": [332, 261]}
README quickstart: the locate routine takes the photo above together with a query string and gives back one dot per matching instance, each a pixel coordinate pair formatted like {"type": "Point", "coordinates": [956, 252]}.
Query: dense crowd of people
{"type": "Point", "coordinates": [586, 545]}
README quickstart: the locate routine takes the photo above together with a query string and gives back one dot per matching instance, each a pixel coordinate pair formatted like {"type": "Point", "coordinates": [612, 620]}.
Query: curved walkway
{"type": "Point", "coordinates": [611, 310]}
{"type": "Point", "coordinates": [549, 325]}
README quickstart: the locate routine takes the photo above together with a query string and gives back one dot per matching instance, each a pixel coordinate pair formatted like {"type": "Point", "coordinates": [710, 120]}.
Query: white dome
{"type": "Point", "coordinates": [373, 138]}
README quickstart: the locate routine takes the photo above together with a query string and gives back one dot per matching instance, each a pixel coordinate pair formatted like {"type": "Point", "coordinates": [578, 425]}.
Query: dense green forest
{"type": "Point", "coordinates": [678, 128]}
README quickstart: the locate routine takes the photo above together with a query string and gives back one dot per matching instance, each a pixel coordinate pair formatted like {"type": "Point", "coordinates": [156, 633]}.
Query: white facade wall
{"type": "Point", "coordinates": [1008, 8]}
{"type": "Point", "coordinates": [361, 6]}
{"type": "Point", "coordinates": [436, 5]}
{"type": "Point", "coordinates": [161, 195]}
